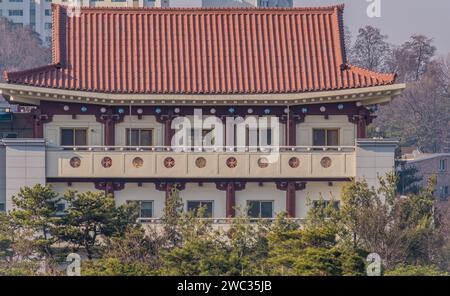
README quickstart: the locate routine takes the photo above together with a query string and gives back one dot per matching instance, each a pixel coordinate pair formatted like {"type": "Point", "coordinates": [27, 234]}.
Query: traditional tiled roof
{"type": "Point", "coordinates": [199, 51]}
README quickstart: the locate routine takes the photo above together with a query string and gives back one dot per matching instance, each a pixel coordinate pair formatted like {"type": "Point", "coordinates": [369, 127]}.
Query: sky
{"type": "Point", "coordinates": [399, 18]}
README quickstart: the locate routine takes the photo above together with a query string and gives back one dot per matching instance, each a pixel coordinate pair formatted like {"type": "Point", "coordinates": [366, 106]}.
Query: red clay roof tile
{"type": "Point", "coordinates": [199, 51]}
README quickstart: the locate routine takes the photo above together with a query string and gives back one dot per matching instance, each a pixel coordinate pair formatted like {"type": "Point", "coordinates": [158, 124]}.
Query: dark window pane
{"type": "Point", "coordinates": [146, 209]}
{"type": "Point", "coordinates": [132, 137]}
{"type": "Point", "coordinates": [253, 209]}
{"type": "Point", "coordinates": [146, 138]}
{"type": "Point", "coordinates": [208, 209]}
{"type": "Point", "coordinates": [80, 137]}
{"type": "Point", "coordinates": [67, 137]}
{"type": "Point", "coordinates": [319, 137]}
{"type": "Point", "coordinates": [2, 207]}
{"type": "Point", "coordinates": [332, 138]}
{"type": "Point", "coordinates": [192, 206]}
{"type": "Point", "coordinates": [266, 209]}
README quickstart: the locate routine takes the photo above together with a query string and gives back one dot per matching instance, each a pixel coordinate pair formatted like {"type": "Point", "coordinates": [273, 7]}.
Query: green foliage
{"type": "Point", "coordinates": [330, 242]}
{"type": "Point", "coordinates": [90, 215]}
{"type": "Point", "coordinates": [408, 180]}
{"type": "Point", "coordinates": [415, 270]}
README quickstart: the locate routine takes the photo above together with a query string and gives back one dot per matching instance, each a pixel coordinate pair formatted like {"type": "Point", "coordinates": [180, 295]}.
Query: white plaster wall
{"type": "Point", "coordinates": [24, 166]}
{"type": "Point", "coordinates": [61, 188]}
{"type": "Point", "coordinates": [147, 192]}
{"type": "Point", "coordinates": [208, 192]}
{"type": "Point", "coordinates": [268, 191]}
{"type": "Point", "coordinates": [316, 191]}
{"type": "Point", "coordinates": [374, 161]}
{"type": "Point", "coordinates": [347, 130]}
{"type": "Point", "coordinates": [52, 130]}
{"type": "Point", "coordinates": [147, 122]}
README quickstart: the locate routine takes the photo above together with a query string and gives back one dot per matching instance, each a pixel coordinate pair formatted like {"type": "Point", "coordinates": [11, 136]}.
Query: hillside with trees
{"type": "Point", "coordinates": [421, 115]}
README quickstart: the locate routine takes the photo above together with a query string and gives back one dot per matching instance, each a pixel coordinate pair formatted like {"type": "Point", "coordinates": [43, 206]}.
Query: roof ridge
{"type": "Point", "coordinates": [386, 76]}
{"type": "Point", "coordinates": [8, 76]}
{"type": "Point", "coordinates": [330, 8]}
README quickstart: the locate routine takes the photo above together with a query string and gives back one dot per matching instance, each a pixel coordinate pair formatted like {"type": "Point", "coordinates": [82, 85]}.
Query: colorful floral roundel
{"type": "Point", "coordinates": [138, 162]}
{"type": "Point", "coordinates": [106, 162]}
{"type": "Point", "coordinates": [294, 162]}
{"type": "Point", "coordinates": [263, 162]}
{"type": "Point", "coordinates": [232, 162]}
{"type": "Point", "coordinates": [75, 162]}
{"type": "Point", "coordinates": [169, 162]}
{"type": "Point", "coordinates": [200, 162]}
{"type": "Point", "coordinates": [325, 162]}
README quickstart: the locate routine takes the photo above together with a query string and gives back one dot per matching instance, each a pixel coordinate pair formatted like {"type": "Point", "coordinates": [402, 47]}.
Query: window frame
{"type": "Point", "coordinates": [327, 129]}
{"type": "Point", "coordinates": [442, 165]}
{"type": "Point", "coordinates": [128, 140]}
{"type": "Point", "coordinates": [201, 202]}
{"type": "Point", "coordinates": [272, 202]}
{"type": "Point", "coordinates": [152, 209]}
{"type": "Point", "coordinates": [74, 135]}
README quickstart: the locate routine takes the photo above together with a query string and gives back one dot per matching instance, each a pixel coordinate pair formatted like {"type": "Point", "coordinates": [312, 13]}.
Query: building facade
{"type": "Point", "coordinates": [109, 109]}
{"type": "Point", "coordinates": [428, 165]}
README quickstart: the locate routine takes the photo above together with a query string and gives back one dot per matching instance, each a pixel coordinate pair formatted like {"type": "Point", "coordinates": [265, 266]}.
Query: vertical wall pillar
{"type": "Point", "coordinates": [109, 120]}
{"type": "Point", "coordinates": [230, 188]}
{"type": "Point", "coordinates": [39, 120]}
{"type": "Point", "coordinates": [291, 122]}
{"type": "Point", "coordinates": [168, 132]}
{"type": "Point", "coordinates": [110, 187]}
{"type": "Point", "coordinates": [361, 121]}
{"type": "Point", "coordinates": [291, 187]}
{"type": "Point", "coordinates": [168, 187]}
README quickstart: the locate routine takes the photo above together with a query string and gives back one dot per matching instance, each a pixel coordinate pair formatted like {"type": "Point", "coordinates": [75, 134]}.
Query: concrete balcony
{"type": "Point", "coordinates": [201, 163]}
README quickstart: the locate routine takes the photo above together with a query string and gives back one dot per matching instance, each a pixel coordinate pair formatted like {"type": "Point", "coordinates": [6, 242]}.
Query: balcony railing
{"type": "Point", "coordinates": [264, 149]}
{"type": "Point", "coordinates": [200, 162]}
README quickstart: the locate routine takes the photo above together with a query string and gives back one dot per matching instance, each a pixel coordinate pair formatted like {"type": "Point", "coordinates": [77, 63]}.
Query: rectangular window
{"type": "Point", "coordinates": [443, 165]}
{"type": "Point", "coordinates": [145, 209]}
{"type": "Point", "coordinates": [194, 206]}
{"type": "Point", "coordinates": [73, 137]}
{"type": "Point", "coordinates": [325, 137]}
{"type": "Point", "coordinates": [1, 12]}
{"type": "Point", "coordinates": [139, 137]}
{"type": "Point", "coordinates": [48, 26]}
{"type": "Point", "coordinates": [16, 12]}
{"type": "Point", "coordinates": [204, 133]}
{"type": "Point", "coordinates": [326, 203]}
{"type": "Point", "coordinates": [260, 209]}
{"type": "Point", "coordinates": [2, 207]}
{"type": "Point", "coordinates": [15, 0]}
{"type": "Point", "coordinates": [48, 12]}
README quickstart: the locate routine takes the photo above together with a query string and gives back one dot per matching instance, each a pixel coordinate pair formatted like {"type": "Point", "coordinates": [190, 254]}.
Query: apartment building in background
{"type": "Point", "coordinates": [427, 165]}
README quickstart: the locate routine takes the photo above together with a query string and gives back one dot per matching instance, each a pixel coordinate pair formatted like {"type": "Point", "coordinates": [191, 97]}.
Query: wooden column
{"type": "Point", "coordinates": [361, 121]}
{"type": "Point", "coordinates": [291, 187]}
{"type": "Point", "coordinates": [291, 122]}
{"type": "Point", "coordinates": [167, 187]}
{"type": "Point", "coordinates": [230, 188]}
{"type": "Point", "coordinates": [39, 120]}
{"type": "Point", "coordinates": [168, 132]}
{"type": "Point", "coordinates": [109, 120]}
{"type": "Point", "coordinates": [110, 187]}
